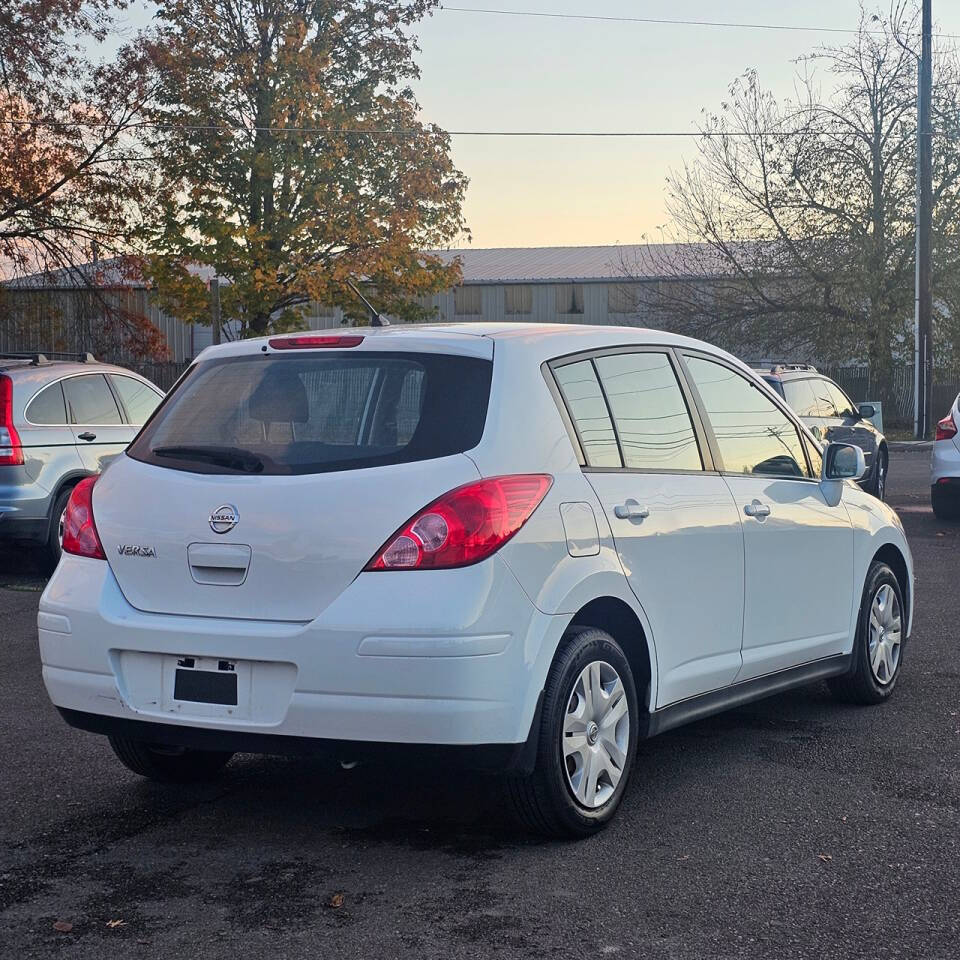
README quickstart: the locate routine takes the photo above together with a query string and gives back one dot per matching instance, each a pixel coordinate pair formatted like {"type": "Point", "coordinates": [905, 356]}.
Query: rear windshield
{"type": "Point", "coordinates": [318, 413]}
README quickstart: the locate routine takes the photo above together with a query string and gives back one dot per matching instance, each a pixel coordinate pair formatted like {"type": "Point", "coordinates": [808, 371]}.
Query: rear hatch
{"type": "Point", "coordinates": [267, 480]}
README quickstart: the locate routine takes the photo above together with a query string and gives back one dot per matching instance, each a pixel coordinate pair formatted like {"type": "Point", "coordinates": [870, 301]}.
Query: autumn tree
{"type": "Point", "coordinates": [793, 226]}
{"type": "Point", "coordinates": [295, 161]}
{"type": "Point", "coordinates": [71, 175]}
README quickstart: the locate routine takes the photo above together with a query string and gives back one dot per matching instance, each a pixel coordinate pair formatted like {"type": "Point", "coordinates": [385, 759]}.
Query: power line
{"type": "Point", "coordinates": [399, 132]}
{"type": "Point", "coordinates": [666, 21]}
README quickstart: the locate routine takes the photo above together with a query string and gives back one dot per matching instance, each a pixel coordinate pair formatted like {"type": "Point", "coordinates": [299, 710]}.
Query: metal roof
{"type": "Point", "coordinates": [638, 261]}
{"type": "Point", "coordinates": [582, 264]}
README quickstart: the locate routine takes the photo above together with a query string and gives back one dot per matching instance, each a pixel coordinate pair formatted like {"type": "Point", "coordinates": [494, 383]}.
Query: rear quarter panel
{"type": "Point", "coordinates": [526, 434]}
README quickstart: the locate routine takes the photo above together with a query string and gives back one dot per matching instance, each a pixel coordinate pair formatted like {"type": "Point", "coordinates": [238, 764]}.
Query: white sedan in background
{"type": "Point", "coordinates": [945, 469]}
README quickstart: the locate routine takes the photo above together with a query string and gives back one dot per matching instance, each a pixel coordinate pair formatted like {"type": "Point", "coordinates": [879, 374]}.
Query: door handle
{"type": "Point", "coordinates": [757, 509]}
{"type": "Point", "coordinates": [631, 510]}
{"type": "Point", "coordinates": [87, 436]}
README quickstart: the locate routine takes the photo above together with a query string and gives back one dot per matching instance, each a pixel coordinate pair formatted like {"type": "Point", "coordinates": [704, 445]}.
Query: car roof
{"type": "Point", "coordinates": [541, 341]}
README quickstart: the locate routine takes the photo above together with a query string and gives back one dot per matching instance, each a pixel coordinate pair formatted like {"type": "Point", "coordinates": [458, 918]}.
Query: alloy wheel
{"type": "Point", "coordinates": [596, 734]}
{"type": "Point", "coordinates": [885, 634]}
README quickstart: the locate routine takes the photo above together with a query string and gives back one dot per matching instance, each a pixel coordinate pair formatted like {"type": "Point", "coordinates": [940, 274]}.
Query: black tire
{"type": "Point", "coordinates": [878, 485]}
{"type": "Point", "coordinates": [543, 801]}
{"type": "Point", "coordinates": [946, 505]}
{"type": "Point", "coordinates": [169, 764]}
{"type": "Point", "coordinates": [861, 685]}
{"type": "Point", "coordinates": [51, 549]}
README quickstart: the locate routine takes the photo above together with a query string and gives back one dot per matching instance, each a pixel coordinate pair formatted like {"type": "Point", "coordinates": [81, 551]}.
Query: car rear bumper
{"type": "Point", "coordinates": [462, 663]}
{"type": "Point", "coordinates": [24, 510]}
{"type": "Point", "coordinates": [945, 463]}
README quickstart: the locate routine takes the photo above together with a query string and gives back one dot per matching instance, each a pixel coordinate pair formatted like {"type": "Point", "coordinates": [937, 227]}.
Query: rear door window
{"type": "Point", "coordinates": [318, 413]}
{"type": "Point", "coordinates": [90, 401]}
{"type": "Point", "coordinates": [581, 389]}
{"type": "Point", "coordinates": [138, 399]}
{"type": "Point", "coordinates": [47, 408]}
{"type": "Point", "coordinates": [649, 411]}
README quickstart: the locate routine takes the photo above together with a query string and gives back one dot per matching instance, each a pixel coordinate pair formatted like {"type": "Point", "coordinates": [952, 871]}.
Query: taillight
{"type": "Point", "coordinates": [311, 343]}
{"type": "Point", "coordinates": [946, 428]}
{"type": "Point", "coordinates": [465, 525]}
{"type": "Point", "coordinates": [11, 453]}
{"type": "Point", "coordinates": [79, 530]}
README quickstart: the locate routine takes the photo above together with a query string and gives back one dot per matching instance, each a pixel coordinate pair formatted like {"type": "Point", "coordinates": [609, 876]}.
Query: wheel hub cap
{"type": "Point", "coordinates": [885, 635]}
{"type": "Point", "coordinates": [596, 734]}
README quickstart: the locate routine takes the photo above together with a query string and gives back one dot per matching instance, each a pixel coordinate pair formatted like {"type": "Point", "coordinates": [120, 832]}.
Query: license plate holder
{"type": "Point", "coordinates": [199, 686]}
{"type": "Point", "coordinates": [206, 686]}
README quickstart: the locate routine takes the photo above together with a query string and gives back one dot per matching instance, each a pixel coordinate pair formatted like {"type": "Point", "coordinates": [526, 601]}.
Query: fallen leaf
{"type": "Point", "coordinates": [62, 926]}
{"type": "Point", "coordinates": [825, 857]}
{"type": "Point", "coordinates": [113, 924]}
{"type": "Point", "coordinates": [336, 901]}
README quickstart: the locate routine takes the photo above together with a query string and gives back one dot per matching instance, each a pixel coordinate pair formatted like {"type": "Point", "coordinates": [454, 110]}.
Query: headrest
{"type": "Point", "coordinates": [280, 397]}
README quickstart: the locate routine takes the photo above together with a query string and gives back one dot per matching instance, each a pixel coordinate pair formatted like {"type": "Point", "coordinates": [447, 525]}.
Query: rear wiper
{"type": "Point", "coordinates": [233, 458]}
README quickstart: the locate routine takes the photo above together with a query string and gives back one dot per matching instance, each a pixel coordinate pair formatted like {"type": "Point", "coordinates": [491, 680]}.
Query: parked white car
{"type": "Point", "coordinates": [945, 468]}
{"type": "Point", "coordinates": [525, 546]}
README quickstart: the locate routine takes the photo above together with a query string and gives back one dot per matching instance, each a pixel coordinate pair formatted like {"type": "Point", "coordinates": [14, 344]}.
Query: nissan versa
{"type": "Point", "coordinates": [532, 545]}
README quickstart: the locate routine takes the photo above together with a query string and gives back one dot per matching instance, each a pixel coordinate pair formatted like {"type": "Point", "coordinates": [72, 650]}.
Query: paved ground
{"type": "Point", "coordinates": [794, 828]}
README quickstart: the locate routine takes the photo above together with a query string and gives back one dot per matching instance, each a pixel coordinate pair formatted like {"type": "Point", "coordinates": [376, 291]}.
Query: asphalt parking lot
{"type": "Point", "coordinates": [792, 828]}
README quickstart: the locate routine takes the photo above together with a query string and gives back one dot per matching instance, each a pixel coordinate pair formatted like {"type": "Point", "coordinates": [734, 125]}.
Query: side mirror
{"type": "Point", "coordinates": [843, 461]}
{"type": "Point", "coordinates": [867, 411]}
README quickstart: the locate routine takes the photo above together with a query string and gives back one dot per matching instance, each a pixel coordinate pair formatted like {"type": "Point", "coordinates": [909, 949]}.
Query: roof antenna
{"type": "Point", "coordinates": [375, 319]}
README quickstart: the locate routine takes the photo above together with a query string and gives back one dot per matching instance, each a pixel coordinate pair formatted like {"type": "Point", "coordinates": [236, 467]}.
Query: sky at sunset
{"type": "Point", "coordinates": [487, 72]}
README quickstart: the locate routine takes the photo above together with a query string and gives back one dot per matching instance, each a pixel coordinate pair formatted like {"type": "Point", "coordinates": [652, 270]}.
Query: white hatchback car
{"type": "Point", "coordinates": [945, 467]}
{"type": "Point", "coordinates": [523, 546]}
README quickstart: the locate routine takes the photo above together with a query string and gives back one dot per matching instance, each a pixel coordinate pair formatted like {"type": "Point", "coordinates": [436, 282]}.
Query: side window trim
{"type": "Point", "coordinates": [700, 427]}
{"type": "Point", "coordinates": [802, 432]}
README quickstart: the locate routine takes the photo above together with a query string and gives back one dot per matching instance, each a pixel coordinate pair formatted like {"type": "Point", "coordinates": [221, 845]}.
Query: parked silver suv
{"type": "Point", "coordinates": [60, 420]}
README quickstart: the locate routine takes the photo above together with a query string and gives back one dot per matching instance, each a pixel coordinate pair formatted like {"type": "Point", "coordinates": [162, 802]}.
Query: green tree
{"type": "Point", "coordinates": [275, 166]}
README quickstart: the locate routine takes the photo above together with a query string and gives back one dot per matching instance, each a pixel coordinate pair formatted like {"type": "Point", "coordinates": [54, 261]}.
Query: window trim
{"type": "Point", "coordinates": [693, 411]}
{"type": "Point", "coordinates": [757, 383]}
{"type": "Point", "coordinates": [124, 419]}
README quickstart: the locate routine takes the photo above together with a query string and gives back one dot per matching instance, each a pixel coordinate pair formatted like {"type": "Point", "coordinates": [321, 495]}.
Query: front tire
{"type": "Point", "coordinates": [878, 487]}
{"type": "Point", "coordinates": [589, 728]}
{"type": "Point", "coordinates": [169, 764]}
{"type": "Point", "coordinates": [878, 649]}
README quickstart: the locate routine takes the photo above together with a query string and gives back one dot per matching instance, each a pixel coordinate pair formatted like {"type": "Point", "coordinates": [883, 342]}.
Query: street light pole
{"type": "Point", "coordinates": [923, 354]}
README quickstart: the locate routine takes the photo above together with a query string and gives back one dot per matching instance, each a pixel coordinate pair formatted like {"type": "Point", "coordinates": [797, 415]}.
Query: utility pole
{"type": "Point", "coordinates": [215, 307]}
{"type": "Point", "coordinates": [923, 352]}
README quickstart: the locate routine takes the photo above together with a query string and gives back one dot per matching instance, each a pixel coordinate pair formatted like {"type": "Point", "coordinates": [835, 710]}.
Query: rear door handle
{"type": "Point", "coordinates": [757, 509]}
{"type": "Point", "coordinates": [87, 436]}
{"type": "Point", "coordinates": [631, 510]}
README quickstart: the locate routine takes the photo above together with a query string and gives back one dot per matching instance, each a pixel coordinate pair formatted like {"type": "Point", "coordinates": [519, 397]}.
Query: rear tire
{"type": "Point", "coordinates": [52, 549]}
{"type": "Point", "coordinates": [946, 506]}
{"type": "Point", "coordinates": [169, 764]}
{"type": "Point", "coordinates": [881, 636]}
{"type": "Point", "coordinates": [585, 750]}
